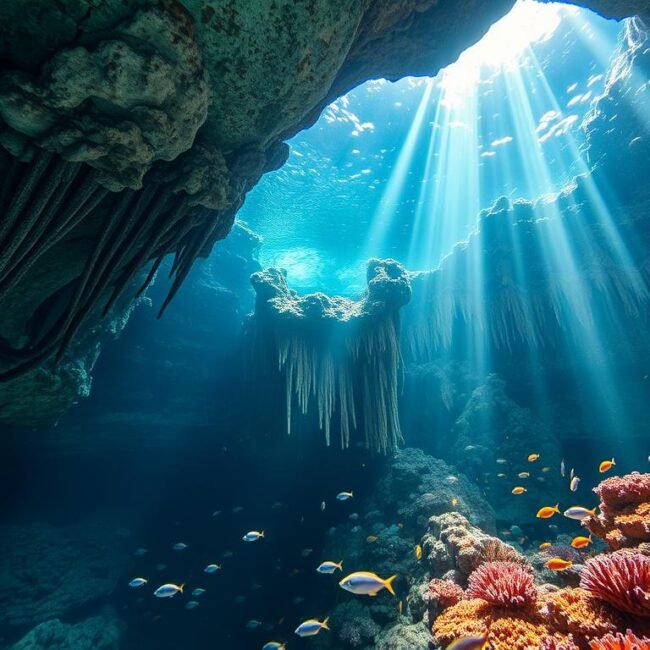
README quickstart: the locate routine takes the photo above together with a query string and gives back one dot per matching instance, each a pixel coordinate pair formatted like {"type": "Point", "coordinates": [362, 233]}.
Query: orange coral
{"type": "Point", "coordinates": [465, 618]}
{"type": "Point", "coordinates": [620, 642]}
{"type": "Point", "coordinates": [576, 612]}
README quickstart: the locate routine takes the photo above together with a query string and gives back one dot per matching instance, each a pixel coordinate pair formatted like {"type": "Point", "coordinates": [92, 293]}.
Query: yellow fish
{"type": "Point", "coordinates": [365, 583]}
{"type": "Point", "coordinates": [581, 542]}
{"type": "Point", "coordinates": [544, 546]}
{"type": "Point", "coordinates": [532, 457]}
{"type": "Point", "coordinates": [418, 552]}
{"type": "Point", "coordinates": [547, 511]}
{"type": "Point", "coordinates": [470, 643]}
{"type": "Point", "coordinates": [523, 474]}
{"type": "Point", "coordinates": [558, 564]}
{"type": "Point", "coordinates": [454, 502]}
{"type": "Point", "coordinates": [400, 607]}
{"type": "Point", "coordinates": [371, 539]}
{"type": "Point", "coordinates": [606, 465]}
{"type": "Point", "coordinates": [519, 490]}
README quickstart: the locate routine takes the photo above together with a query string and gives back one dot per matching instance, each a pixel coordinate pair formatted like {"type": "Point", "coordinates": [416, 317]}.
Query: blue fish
{"type": "Point", "coordinates": [311, 627]}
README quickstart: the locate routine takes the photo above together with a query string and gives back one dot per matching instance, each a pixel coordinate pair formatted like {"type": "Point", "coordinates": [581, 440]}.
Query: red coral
{"type": "Point", "coordinates": [620, 642]}
{"type": "Point", "coordinates": [445, 592]}
{"type": "Point", "coordinates": [508, 584]}
{"type": "Point", "coordinates": [620, 491]}
{"type": "Point", "coordinates": [621, 579]}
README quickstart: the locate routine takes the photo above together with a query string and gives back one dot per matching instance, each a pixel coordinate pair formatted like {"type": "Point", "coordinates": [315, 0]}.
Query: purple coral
{"type": "Point", "coordinates": [508, 584]}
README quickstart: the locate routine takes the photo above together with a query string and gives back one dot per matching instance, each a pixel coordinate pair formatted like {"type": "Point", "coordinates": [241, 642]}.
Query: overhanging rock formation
{"type": "Point", "coordinates": [336, 355]}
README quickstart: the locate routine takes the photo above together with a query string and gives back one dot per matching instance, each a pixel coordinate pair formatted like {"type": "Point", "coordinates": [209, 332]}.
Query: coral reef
{"type": "Point", "coordinates": [506, 584]}
{"type": "Point", "coordinates": [341, 354]}
{"type": "Point", "coordinates": [623, 518]}
{"type": "Point", "coordinates": [404, 637]}
{"type": "Point", "coordinates": [619, 641]}
{"type": "Point", "coordinates": [622, 579]}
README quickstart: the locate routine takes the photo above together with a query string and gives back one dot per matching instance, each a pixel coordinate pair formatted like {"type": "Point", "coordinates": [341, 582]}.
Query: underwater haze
{"type": "Point", "coordinates": [421, 356]}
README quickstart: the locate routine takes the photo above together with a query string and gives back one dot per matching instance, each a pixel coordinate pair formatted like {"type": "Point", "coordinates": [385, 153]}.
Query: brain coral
{"type": "Point", "coordinates": [621, 579]}
{"type": "Point", "coordinates": [509, 584]}
{"type": "Point", "coordinates": [624, 517]}
{"type": "Point", "coordinates": [627, 641]}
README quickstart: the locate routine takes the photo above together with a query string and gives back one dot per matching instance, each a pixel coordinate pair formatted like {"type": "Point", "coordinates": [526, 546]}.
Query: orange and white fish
{"type": "Point", "coordinates": [558, 564]}
{"type": "Point", "coordinates": [532, 457]}
{"type": "Point", "coordinates": [606, 465]}
{"type": "Point", "coordinates": [581, 542]}
{"type": "Point", "coordinates": [519, 490]}
{"type": "Point", "coordinates": [548, 511]}
{"type": "Point", "coordinates": [544, 545]}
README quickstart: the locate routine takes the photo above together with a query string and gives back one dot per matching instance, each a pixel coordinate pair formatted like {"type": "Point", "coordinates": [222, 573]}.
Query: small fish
{"type": "Point", "coordinates": [562, 468]}
{"type": "Point", "coordinates": [519, 490]}
{"type": "Point", "coordinates": [548, 511]}
{"type": "Point", "coordinates": [179, 546]}
{"type": "Point", "coordinates": [572, 473]}
{"type": "Point", "coordinates": [606, 465]}
{"type": "Point", "coordinates": [191, 604]}
{"type": "Point", "coordinates": [558, 564]}
{"type": "Point", "coordinates": [227, 554]}
{"type": "Point", "coordinates": [212, 568]}
{"type": "Point", "coordinates": [579, 513]}
{"type": "Point", "coordinates": [253, 536]}
{"type": "Point", "coordinates": [139, 552]}
{"type": "Point", "coordinates": [470, 643]}
{"type": "Point", "coordinates": [400, 607]}
{"type": "Point", "coordinates": [575, 482]}
{"type": "Point", "coordinates": [216, 513]}
{"type": "Point", "coordinates": [523, 474]}
{"type": "Point", "coordinates": [330, 567]}
{"type": "Point", "coordinates": [501, 475]}
{"type": "Point", "coordinates": [581, 542]}
{"type": "Point", "coordinates": [544, 545]}
{"type": "Point", "coordinates": [138, 582]}
{"type": "Point", "coordinates": [253, 624]}
{"type": "Point", "coordinates": [532, 457]}
{"type": "Point", "coordinates": [306, 552]}
{"type": "Point", "coordinates": [311, 627]}
{"type": "Point", "coordinates": [168, 590]}
{"type": "Point", "coordinates": [371, 539]}
{"type": "Point", "coordinates": [237, 509]}
{"type": "Point", "coordinates": [274, 645]}
{"type": "Point", "coordinates": [365, 583]}
{"type": "Point", "coordinates": [418, 552]}
{"type": "Point", "coordinates": [199, 591]}
{"type": "Point", "coordinates": [501, 461]}
{"type": "Point", "coordinates": [344, 496]}
{"type": "Point", "coordinates": [322, 508]}
{"type": "Point", "coordinates": [454, 502]}
{"type": "Point", "coordinates": [546, 469]}
{"type": "Point", "coordinates": [354, 516]}
{"type": "Point", "coordinates": [160, 566]}
{"type": "Point", "coordinates": [515, 530]}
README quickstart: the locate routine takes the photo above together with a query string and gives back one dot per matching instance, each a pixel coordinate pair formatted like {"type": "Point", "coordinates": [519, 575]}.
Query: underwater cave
{"type": "Point", "coordinates": [325, 324]}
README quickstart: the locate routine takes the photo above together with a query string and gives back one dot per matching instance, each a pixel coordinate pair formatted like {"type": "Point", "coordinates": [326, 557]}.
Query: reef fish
{"type": "Point", "coordinates": [274, 645]}
{"type": "Point", "coordinates": [579, 513]}
{"type": "Point", "coordinates": [322, 507]}
{"type": "Point", "coordinates": [606, 465]}
{"type": "Point", "coordinates": [212, 568]}
{"type": "Point", "coordinates": [138, 582]}
{"type": "Point", "coordinates": [532, 457]}
{"type": "Point", "coordinates": [518, 490]}
{"type": "Point", "coordinates": [311, 627]}
{"type": "Point", "coordinates": [199, 591]}
{"type": "Point", "coordinates": [344, 496]}
{"type": "Point", "coordinates": [253, 536]}
{"type": "Point", "coordinates": [575, 482]}
{"type": "Point", "coordinates": [548, 511]}
{"type": "Point", "coordinates": [365, 583]}
{"type": "Point", "coordinates": [179, 546]}
{"type": "Point", "coordinates": [371, 539]}
{"type": "Point", "coordinates": [330, 567]}
{"type": "Point", "coordinates": [253, 624]}
{"type": "Point", "coordinates": [470, 643]}
{"type": "Point", "coordinates": [581, 542]}
{"type": "Point", "coordinates": [558, 564]}
{"type": "Point", "coordinates": [191, 604]}
{"type": "Point", "coordinates": [168, 590]}
{"type": "Point", "coordinates": [562, 469]}
{"type": "Point", "coordinates": [523, 474]}
{"type": "Point", "coordinates": [544, 545]}
{"type": "Point", "coordinates": [418, 552]}
{"type": "Point", "coordinates": [501, 461]}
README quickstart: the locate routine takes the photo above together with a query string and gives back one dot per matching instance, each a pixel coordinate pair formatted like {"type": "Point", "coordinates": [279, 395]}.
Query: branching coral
{"type": "Point", "coordinates": [509, 584]}
{"type": "Point", "coordinates": [627, 641]}
{"type": "Point", "coordinates": [621, 579]}
{"type": "Point", "coordinates": [624, 511]}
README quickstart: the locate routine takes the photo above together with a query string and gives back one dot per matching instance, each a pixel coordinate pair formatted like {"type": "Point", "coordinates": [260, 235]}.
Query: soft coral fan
{"type": "Point", "coordinates": [508, 584]}
{"type": "Point", "coordinates": [621, 579]}
{"type": "Point", "coordinates": [624, 517]}
{"type": "Point", "coordinates": [627, 641]}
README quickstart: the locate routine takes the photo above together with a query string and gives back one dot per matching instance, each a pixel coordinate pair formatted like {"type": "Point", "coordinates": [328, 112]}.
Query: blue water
{"type": "Point", "coordinates": [177, 443]}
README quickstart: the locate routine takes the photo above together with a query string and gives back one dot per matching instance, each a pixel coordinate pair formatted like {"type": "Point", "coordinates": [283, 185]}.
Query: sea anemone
{"type": "Point", "coordinates": [621, 579]}
{"type": "Point", "coordinates": [506, 584]}
{"type": "Point", "coordinates": [445, 592]}
{"type": "Point", "coordinates": [553, 643]}
{"type": "Point", "coordinates": [627, 641]}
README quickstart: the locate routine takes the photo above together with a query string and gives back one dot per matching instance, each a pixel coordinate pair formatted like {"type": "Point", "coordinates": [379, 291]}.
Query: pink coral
{"type": "Point", "coordinates": [620, 491]}
{"type": "Point", "coordinates": [621, 579]}
{"type": "Point", "coordinates": [628, 641]}
{"type": "Point", "coordinates": [445, 592]}
{"type": "Point", "coordinates": [508, 584]}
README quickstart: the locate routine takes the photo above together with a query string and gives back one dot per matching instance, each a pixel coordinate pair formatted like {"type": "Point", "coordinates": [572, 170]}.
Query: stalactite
{"type": "Point", "coordinates": [335, 355]}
